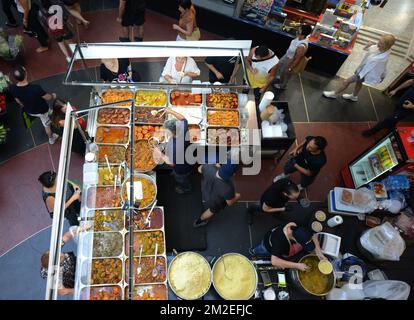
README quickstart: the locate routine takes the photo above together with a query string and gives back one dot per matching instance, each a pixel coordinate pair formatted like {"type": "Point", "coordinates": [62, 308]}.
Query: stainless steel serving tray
{"type": "Point", "coordinates": [114, 145]}
{"type": "Point", "coordinates": [161, 122]}
{"type": "Point", "coordinates": [184, 106]}
{"type": "Point", "coordinates": [146, 105]}
{"type": "Point", "coordinates": [222, 145]}
{"type": "Point", "coordinates": [109, 127]}
{"type": "Point", "coordinates": [222, 110]}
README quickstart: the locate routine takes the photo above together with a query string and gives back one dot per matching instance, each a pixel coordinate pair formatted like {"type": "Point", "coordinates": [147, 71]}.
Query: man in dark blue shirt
{"type": "Point", "coordinates": [175, 150]}
{"type": "Point", "coordinates": [33, 99]}
{"type": "Point", "coordinates": [404, 108]}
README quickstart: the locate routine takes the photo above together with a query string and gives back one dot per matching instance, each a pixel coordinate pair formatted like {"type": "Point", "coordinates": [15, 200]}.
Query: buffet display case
{"type": "Point", "coordinates": [122, 254]}
{"type": "Point", "coordinates": [103, 257]}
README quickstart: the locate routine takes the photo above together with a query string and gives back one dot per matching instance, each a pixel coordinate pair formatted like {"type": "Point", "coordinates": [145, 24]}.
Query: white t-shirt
{"type": "Point", "coordinates": [169, 69]}
{"type": "Point", "coordinates": [295, 43]}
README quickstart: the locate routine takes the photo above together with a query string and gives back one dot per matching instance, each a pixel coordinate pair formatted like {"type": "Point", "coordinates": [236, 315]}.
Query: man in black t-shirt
{"type": "Point", "coordinates": [404, 108]}
{"type": "Point", "coordinates": [33, 99]}
{"type": "Point", "coordinates": [275, 198]}
{"type": "Point", "coordinates": [132, 14]}
{"type": "Point", "coordinates": [222, 69]}
{"type": "Point", "coordinates": [308, 158]}
{"type": "Point", "coordinates": [217, 190]}
{"type": "Point", "coordinates": [285, 241]}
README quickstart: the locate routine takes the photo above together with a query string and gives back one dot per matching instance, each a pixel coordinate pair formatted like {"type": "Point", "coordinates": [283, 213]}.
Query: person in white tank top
{"type": "Point", "coordinates": [292, 57]}
{"type": "Point", "coordinates": [260, 62]}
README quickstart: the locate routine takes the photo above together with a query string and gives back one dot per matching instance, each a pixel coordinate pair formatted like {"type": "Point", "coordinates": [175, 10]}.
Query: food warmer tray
{"type": "Point", "coordinates": [142, 105]}
{"type": "Point", "coordinates": [201, 105]}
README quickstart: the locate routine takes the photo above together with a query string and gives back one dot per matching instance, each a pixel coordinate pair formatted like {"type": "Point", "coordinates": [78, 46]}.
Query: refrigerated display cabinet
{"type": "Point", "coordinates": [389, 155]}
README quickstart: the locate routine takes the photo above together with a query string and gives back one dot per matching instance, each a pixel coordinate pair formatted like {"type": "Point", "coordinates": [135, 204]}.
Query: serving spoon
{"type": "Point", "coordinates": [139, 268]}
{"type": "Point", "coordinates": [148, 220]}
{"type": "Point", "coordinates": [154, 270]}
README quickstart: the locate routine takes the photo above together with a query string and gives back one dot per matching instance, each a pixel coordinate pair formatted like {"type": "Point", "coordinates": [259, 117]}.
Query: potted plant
{"type": "Point", "coordinates": [10, 45]}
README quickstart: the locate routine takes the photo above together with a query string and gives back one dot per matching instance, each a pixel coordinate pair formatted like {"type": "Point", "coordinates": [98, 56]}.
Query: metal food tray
{"type": "Point", "coordinates": [89, 237]}
{"type": "Point", "coordinates": [159, 90]}
{"type": "Point", "coordinates": [230, 93]}
{"type": "Point", "coordinates": [103, 208]}
{"type": "Point", "coordinates": [112, 126]}
{"type": "Point", "coordinates": [163, 221]}
{"type": "Point", "coordinates": [90, 218]}
{"type": "Point", "coordinates": [155, 125]}
{"type": "Point", "coordinates": [149, 123]}
{"type": "Point", "coordinates": [123, 168]}
{"type": "Point", "coordinates": [186, 106]}
{"type": "Point", "coordinates": [223, 145]}
{"type": "Point", "coordinates": [118, 88]}
{"type": "Point", "coordinates": [223, 110]}
{"type": "Point", "coordinates": [148, 283]}
{"type": "Point", "coordinates": [87, 263]}
{"type": "Point", "coordinates": [103, 286]}
{"type": "Point", "coordinates": [140, 175]}
{"type": "Point", "coordinates": [143, 231]}
{"type": "Point", "coordinates": [97, 123]}
{"type": "Point", "coordinates": [115, 145]}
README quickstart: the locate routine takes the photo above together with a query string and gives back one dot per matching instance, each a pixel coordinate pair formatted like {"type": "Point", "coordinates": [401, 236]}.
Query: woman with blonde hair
{"type": "Point", "coordinates": [371, 70]}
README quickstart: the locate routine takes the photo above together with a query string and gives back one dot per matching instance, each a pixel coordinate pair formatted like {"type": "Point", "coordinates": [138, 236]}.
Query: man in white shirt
{"type": "Point", "coordinates": [371, 70]}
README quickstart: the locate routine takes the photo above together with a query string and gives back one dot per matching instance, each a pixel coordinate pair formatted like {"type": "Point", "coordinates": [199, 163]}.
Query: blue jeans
{"type": "Point", "coordinates": [304, 180]}
{"type": "Point", "coordinates": [261, 250]}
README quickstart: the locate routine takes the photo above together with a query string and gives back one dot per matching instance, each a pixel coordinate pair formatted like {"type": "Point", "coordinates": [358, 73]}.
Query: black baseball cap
{"type": "Point", "coordinates": [304, 237]}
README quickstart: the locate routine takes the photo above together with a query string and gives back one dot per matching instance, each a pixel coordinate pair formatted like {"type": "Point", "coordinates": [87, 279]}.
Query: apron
{"type": "Point", "coordinates": [294, 248]}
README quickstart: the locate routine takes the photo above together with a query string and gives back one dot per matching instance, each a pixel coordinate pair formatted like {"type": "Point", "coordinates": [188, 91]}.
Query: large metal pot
{"type": "Point", "coordinates": [295, 276]}
{"type": "Point", "coordinates": [226, 264]}
{"type": "Point", "coordinates": [203, 291]}
{"type": "Point", "coordinates": [143, 176]}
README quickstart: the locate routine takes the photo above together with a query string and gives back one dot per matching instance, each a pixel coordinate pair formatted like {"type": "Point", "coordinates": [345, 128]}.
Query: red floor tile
{"type": "Point", "coordinates": [23, 212]}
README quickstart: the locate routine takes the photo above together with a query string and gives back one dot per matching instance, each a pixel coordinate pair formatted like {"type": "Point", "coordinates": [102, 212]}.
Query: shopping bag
{"type": "Point", "coordinates": [300, 67]}
{"type": "Point", "coordinates": [195, 36]}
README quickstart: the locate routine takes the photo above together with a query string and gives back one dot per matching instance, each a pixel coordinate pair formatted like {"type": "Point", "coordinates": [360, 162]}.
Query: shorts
{"type": "Point", "coordinates": [44, 117]}
{"type": "Point", "coordinates": [356, 78]}
{"type": "Point", "coordinates": [131, 19]}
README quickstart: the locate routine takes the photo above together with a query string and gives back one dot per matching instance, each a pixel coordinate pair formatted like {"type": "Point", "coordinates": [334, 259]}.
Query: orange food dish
{"type": "Point", "coordinates": [103, 293]}
{"type": "Point", "coordinates": [112, 135]}
{"type": "Point", "coordinates": [149, 292]}
{"type": "Point", "coordinates": [149, 131]}
{"type": "Point", "coordinates": [222, 100]}
{"type": "Point", "coordinates": [183, 98]}
{"type": "Point", "coordinates": [106, 271]}
{"type": "Point", "coordinates": [111, 96]}
{"type": "Point", "coordinates": [223, 118]}
{"type": "Point", "coordinates": [144, 160]}
{"type": "Point", "coordinates": [117, 116]}
{"type": "Point", "coordinates": [147, 265]}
